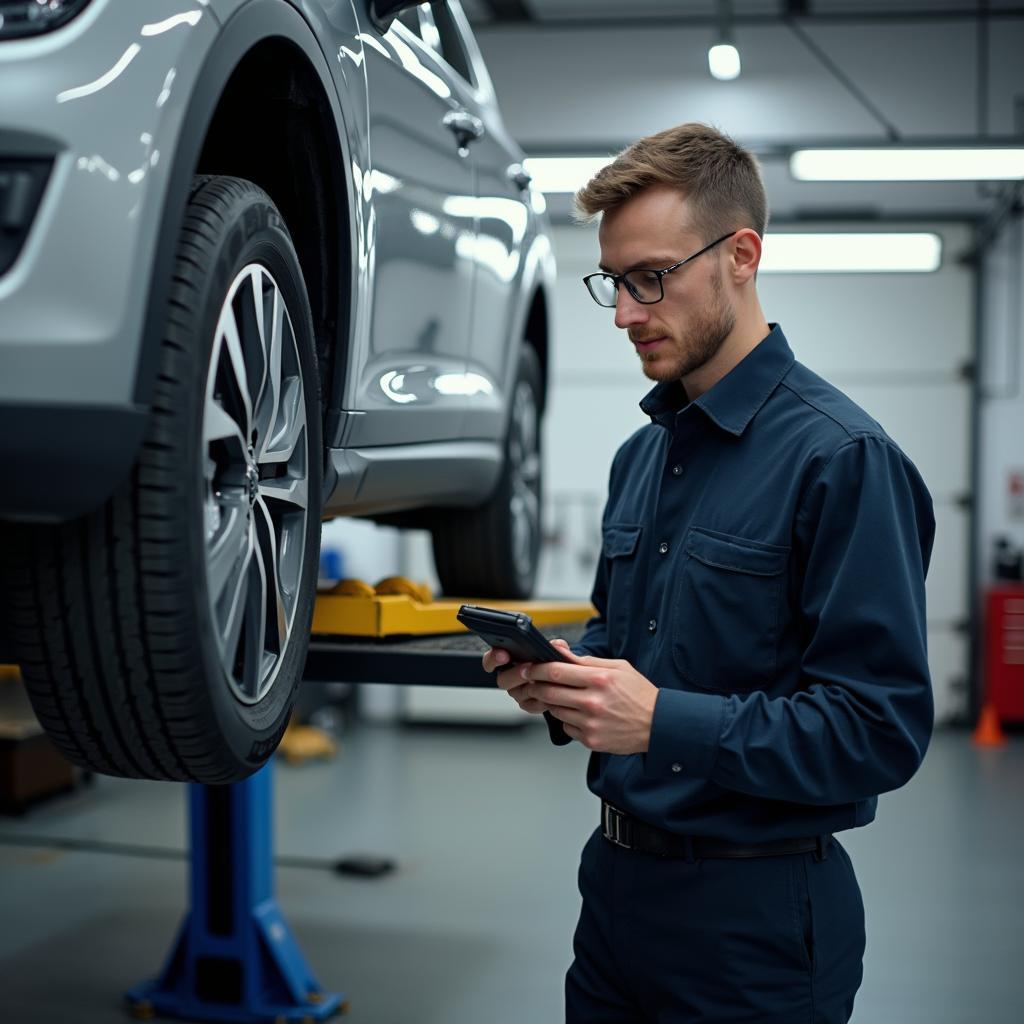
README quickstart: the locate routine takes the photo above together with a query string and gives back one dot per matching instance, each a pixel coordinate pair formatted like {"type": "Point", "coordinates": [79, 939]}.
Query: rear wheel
{"type": "Point", "coordinates": [163, 635]}
{"type": "Point", "coordinates": [493, 550]}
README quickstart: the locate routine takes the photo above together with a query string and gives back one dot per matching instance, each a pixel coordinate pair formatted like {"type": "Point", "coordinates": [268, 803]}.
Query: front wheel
{"type": "Point", "coordinates": [163, 636]}
{"type": "Point", "coordinates": [493, 550]}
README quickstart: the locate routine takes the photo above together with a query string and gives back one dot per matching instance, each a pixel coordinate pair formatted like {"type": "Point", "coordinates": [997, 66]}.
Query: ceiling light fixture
{"type": "Point", "coordinates": [893, 163]}
{"type": "Point", "coordinates": [723, 57]}
{"type": "Point", "coordinates": [917, 252]}
{"type": "Point", "coordinates": [553, 174]}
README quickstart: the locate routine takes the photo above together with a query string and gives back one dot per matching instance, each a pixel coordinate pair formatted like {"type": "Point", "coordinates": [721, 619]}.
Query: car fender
{"type": "Point", "coordinates": [246, 26]}
{"type": "Point", "coordinates": [537, 273]}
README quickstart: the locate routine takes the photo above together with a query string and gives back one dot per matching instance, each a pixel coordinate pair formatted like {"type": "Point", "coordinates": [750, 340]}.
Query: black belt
{"type": "Point", "coordinates": [631, 834]}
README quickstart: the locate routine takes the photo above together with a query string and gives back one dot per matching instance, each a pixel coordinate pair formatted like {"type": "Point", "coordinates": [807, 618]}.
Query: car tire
{"type": "Point", "coordinates": [492, 551]}
{"type": "Point", "coordinates": [163, 635]}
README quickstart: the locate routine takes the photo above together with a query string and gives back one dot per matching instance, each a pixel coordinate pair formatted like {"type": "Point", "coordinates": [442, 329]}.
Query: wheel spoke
{"type": "Point", "coordinates": [228, 331]}
{"type": "Point", "coordinates": [255, 625]}
{"type": "Point", "coordinates": [267, 537]}
{"type": "Point", "coordinates": [289, 423]}
{"type": "Point", "coordinates": [529, 505]}
{"type": "Point", "coordinates": [270, 390]}
{"type": "Point", "coordinates": [236, 596]}
{"type": "Point", "coordinates": [230, 550]}
{"type": "Point", "coordinates": [290, 490]}
{"type": "Point", "coordinates": [529, 468]}
{"type": "Point", "coordinates": [218, 425]}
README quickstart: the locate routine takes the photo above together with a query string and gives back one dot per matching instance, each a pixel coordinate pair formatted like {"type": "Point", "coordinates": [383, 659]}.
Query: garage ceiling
{"type": "Point", "coordinates": [596, 11]}
{"type": "Point", "coordinates": [590, 76]}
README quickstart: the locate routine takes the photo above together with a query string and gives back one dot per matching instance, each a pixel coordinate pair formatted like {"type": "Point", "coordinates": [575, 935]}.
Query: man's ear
{"type": "Point", "coordinates": [746, 254]}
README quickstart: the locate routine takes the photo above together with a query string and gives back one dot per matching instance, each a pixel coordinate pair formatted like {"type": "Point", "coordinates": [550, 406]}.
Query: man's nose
{"type": "Point", "coordinates": [627, 310]}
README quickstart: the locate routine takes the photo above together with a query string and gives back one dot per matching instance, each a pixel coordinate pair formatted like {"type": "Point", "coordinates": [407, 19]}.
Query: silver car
{"type": "Point", "coordinates": [262, 262]}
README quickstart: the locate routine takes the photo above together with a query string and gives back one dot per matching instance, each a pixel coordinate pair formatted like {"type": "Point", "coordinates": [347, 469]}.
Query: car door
{"type": "Point", "coordinates": [423, 232]}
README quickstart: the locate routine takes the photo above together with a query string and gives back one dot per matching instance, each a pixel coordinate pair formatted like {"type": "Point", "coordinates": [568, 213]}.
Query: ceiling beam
{"type": "Point", "coordinates": [504, 14]}
{"type": "Point", "coordinates": [506, 11]}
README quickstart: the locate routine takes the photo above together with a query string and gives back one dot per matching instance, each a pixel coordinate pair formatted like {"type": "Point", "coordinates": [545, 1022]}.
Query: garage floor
{"type": "Point", "coordinates": [475, 926]}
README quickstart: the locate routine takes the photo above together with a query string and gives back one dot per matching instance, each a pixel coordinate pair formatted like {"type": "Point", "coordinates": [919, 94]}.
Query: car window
{"type": "Point", "coordinates": [449, 39]}
{"type": "Point", "coordinates": [411, 20]}
{"type": "Point", "coordinates": [433, 24]}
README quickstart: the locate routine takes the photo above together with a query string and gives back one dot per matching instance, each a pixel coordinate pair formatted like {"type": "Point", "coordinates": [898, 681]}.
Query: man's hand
{"type": "Point", "coordinates": [511, 681]}
{"type": "Point", "coordinates": [605, 704]}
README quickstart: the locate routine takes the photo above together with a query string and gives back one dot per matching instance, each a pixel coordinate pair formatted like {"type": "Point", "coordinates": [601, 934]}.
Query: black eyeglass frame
{"type": "Point", "coordinates": [624, 277]}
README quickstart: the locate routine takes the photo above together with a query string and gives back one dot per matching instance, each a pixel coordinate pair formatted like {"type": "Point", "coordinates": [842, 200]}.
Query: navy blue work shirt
{"type": "Point", "coordinates": [763, 564]}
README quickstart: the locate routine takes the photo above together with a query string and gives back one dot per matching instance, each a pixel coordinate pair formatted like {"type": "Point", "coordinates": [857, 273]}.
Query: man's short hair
{"type": "Point", "coordinates": [719, 178]}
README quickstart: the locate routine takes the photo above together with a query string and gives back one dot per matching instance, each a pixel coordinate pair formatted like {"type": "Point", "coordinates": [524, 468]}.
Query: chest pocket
{"type": "Point", "coordinates": [620, 548]}
{"type": "Point", "coordinates": [726, 620]}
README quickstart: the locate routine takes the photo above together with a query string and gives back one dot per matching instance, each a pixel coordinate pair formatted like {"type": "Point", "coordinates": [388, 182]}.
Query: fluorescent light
{"type": "Point", "coordinates": [724, 61]}
{"type": "Point", "coordinates": [563, 173]}
{"type": "Point", "coordinates": [893, 164]}
{"type": "Point", "coordinates": [851, 253]}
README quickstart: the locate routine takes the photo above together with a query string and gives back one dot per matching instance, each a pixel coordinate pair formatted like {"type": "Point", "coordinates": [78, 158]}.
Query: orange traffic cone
{"type": "Point", "coordinates": [988, 732]}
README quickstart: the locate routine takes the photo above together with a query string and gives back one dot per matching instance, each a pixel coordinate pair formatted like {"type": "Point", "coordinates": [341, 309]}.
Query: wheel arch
{"type": "Point", "coordinates": [268, 45]}
{"type": "Point", "coordinates": [537, 334]}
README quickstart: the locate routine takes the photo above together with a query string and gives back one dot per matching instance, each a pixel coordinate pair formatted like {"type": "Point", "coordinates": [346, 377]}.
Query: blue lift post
{"type": "Point", "coordinates": [235, 958]}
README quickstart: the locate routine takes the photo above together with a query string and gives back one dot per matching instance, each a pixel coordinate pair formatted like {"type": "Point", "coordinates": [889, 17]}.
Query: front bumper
{"type": "Point", "coordinates": [59, 462]}
{"type": "Point", "coordinates": [101, 101]}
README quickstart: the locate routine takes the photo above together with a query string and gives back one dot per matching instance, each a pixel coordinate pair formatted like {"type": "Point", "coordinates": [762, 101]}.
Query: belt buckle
{"type": "Point", "coordinates": [613, 830]}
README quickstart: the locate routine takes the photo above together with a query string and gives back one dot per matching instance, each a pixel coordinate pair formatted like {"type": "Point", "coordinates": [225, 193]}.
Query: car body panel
{"type": "Point", "coordinates": [422, 232]}
{"type": "Point", "coordinates": [446, 255]}
{"type": "Point", "coordinates": [106, 90]}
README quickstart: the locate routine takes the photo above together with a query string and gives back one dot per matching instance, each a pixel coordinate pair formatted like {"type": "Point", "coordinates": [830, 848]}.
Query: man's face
{"type": "Point", "coordinates": [681, 333]}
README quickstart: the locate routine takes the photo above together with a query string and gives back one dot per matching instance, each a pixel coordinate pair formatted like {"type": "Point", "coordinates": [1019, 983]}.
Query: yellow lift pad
{"type": "Point", "coordinates": [399, 607]}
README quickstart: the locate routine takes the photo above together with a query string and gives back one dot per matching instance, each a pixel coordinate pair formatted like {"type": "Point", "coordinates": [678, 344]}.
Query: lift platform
{"type": "Point", "coordinates": [235, 958]}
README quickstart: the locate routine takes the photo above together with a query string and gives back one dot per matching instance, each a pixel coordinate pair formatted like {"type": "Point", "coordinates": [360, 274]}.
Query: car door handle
{"type": "Point", "coordinates": [519, 176]}
{"type": "Point", "coordinates": [464, 126]}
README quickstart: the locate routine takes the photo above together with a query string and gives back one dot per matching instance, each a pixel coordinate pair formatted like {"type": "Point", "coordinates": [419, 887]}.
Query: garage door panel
{"type": "Point", "coordinates": [948, 653]}
{"type": "Point", "coordinates": [931, 424]}
{"type": "Point", "coordinates": [589, 343]}
{"type": "Point", "coordinates": [583, 429]}
{"type": "Point", "coordinates": [855, 341]}
{"type": "Point", "coordinates": [946, 584]}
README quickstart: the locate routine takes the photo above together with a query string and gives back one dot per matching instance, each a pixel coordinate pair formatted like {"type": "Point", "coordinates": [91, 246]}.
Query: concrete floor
{"type": "Point", "coordinates": [475, 926]}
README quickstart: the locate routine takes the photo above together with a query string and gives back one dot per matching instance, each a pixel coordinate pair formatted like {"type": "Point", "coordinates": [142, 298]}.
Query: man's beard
{"type": "Point", "coordinates": [706, 335]}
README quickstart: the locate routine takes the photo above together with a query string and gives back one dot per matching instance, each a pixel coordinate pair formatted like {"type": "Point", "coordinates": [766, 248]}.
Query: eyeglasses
{"type": "Point", "coordinates": [644, 285]}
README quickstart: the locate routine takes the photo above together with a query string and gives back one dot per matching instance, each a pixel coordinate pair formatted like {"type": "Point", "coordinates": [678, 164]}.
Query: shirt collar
{"type": "Point", "coordinates": [737, 398]}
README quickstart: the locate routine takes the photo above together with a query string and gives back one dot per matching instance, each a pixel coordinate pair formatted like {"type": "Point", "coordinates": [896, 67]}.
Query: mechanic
{"type": "Point", "coordinates": [756, 673]}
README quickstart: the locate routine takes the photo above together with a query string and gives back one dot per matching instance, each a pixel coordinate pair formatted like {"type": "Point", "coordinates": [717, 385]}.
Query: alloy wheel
{"type": "Point", "coordinates": [524, 461]}
{"type": "Point", "coordinates": [256, 507]}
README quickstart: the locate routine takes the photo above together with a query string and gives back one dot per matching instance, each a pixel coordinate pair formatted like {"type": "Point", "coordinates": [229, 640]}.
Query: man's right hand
{"type": "Point", "coordinates": [511, 680]}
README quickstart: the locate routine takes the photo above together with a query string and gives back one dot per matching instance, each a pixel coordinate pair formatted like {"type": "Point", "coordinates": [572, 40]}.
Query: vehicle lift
{"type": "Point", "coordinates": [235, 958]}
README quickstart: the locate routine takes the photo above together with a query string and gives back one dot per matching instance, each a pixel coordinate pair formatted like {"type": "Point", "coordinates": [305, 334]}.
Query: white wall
{"type": "Point", "coordinates": [1002, 394]}
{"type": "Point", "coordinates": [893, 343]}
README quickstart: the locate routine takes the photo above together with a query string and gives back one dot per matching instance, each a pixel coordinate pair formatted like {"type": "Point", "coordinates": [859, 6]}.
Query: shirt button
{"type": "Point", "coordinates": [663, 548]}
{"type": "Point", "coordinates": [677, 767]}
{"type": "Point", "coordinates": [677, 470]}
{"type": "Point", "coordinates": [652, 626]}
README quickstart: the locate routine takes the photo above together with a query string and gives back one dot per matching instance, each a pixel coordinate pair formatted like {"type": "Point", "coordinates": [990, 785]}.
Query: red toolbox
{"type": "Point", "coordinates": [1004, 651]}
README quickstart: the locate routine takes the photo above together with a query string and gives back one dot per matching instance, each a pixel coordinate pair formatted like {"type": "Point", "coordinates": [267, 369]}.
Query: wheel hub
{"type": "Point", "coordinates": [252, 475]}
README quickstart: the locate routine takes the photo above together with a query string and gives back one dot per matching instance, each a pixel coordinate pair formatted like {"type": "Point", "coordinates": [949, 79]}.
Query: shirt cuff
{"type": "Point", "coordinates": [685, 733]}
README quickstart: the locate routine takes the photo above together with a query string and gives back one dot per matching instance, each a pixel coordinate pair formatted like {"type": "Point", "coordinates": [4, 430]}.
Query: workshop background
{"type": "Point", "coordinates": [482, 817]}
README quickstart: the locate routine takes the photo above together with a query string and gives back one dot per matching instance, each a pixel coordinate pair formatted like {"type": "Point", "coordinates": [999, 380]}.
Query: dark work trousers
{"type": "Point", "coordinates": [766, 940]}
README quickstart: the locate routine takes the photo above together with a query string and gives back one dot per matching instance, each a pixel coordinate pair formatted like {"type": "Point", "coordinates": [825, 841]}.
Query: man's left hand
{"type": "Point", "coordinates": [603, 703]}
